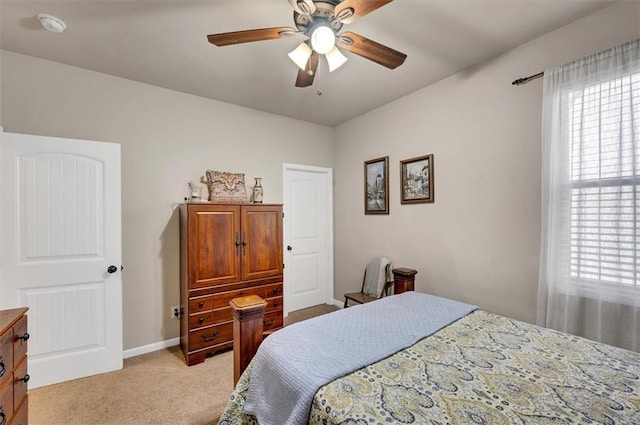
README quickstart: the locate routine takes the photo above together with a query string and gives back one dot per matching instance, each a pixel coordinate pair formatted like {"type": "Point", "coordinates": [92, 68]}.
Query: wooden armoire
{"type": "Point", "coordinates": [226, 251]}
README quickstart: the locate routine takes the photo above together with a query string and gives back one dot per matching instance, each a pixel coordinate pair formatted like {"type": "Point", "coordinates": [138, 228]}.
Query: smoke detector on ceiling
{"type": "Point", "coordinates": [51, 23]}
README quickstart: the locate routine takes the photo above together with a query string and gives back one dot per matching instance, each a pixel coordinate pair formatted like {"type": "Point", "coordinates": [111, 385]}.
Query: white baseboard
{"type": "Point", "coordinates": [176, 341]}
{"type": "Point", "coordinates": [150, 347]}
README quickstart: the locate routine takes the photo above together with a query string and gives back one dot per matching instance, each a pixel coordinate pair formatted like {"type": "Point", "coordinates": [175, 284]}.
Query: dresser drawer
{"type": "Point", "coordinates": [6, 353]}
{"type": "Point", "coordinates": [212, 335]}
{"type": "Point", "coordinates": [273, 304]}
{"type": "Point", "coordinates": [200, 320]}
{"type": "Point", "coordinates": [6, 397]}
{"type": "Point", "coordinates": [20, 338]}
{"type": "Point", "coordinates": [22, 416]}
{"type": "Point", "coordinates": [272, 321]}
{"type": "Point", "coordinates": [222, 299]}
{"type": "Point", "coordinates": [19, 384]}
{"type": "Point", "coordinates": [199, 304]}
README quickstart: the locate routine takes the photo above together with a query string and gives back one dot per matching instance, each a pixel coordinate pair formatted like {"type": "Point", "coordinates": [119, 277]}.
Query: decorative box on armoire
{"type": "Point", "coordinates": [226, 251]}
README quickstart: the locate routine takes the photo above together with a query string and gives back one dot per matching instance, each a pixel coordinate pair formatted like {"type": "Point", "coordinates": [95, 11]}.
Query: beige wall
{"type": "Point", "coordinates": [167, 138]}
{"type": "Point", "coordinates": [479, 241]}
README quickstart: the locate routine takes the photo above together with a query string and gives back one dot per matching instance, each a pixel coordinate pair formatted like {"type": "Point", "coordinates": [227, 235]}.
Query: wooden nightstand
{"type": "Point", "coordinates": [403, 280]}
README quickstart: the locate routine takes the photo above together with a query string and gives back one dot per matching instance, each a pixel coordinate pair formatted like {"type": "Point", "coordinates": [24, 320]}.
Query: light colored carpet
{"type": "Point", "coordinates": [155, 388]}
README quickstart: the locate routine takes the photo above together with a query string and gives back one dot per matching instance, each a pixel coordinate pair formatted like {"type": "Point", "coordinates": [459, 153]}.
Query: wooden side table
{"type": "Point", "coordinates": [403, 280]}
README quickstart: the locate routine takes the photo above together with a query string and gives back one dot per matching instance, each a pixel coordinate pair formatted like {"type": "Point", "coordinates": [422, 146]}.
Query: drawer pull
{"type": "Point", "coordinates": [3, 367]}
{"type": "Point", "coordinates": [210, 338]}
{"type": "Point", "coordinates": [200, 320]}
{"type": "Point", "coordinates": [244, 243]}
{"type": "Point", "coordinates": [24, 337]}
{"type": "Point", "coordinates": [25, 378]}
{"type": "Point", "coordinates": [275, 290]}
{"type": "Point", "coordinates": [275, 303]}
{"type": "Point", "coordinates": [201, 304]}
{"type": "Point", "coordinates": [268, 322]}
{"type": "Point", "coordinates": [3, 416]}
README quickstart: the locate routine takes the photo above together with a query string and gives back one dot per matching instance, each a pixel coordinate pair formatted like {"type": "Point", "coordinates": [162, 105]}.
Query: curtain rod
{"type": "Point", "coordinates": [525, 80]}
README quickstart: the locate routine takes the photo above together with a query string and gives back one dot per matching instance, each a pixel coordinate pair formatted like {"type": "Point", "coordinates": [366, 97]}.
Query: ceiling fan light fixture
{"type": "Point", "coordinates": [301, 55]}
{"type": "Point", "coordinates": [335, 58]}
{"type": "Point", "coordinates": [323, 39]}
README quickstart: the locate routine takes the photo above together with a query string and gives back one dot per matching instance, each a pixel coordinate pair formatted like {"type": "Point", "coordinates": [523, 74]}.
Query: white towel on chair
{"type": "Point", "coordinates": [376, 276]}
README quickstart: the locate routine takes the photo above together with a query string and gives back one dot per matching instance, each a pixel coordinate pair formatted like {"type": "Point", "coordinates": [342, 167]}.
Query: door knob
{"type": "Point", "coordinates": [112, 269]}
{"type": "Point", "coordinates": [289, 248]}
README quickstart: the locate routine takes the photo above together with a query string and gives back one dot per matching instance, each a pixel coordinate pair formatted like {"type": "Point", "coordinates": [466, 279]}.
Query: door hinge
{"type": "Point", "coordinates": [283, 266]}
{"type": "Point", "coordinates": [282, 215]}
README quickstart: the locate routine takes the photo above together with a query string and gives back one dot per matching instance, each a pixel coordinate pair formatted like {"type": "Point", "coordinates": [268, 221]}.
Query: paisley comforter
{"type": "Point", "coordinates": [482, 369]}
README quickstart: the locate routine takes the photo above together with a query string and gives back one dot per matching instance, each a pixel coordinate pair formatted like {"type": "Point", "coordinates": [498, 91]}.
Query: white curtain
{"type": "Point", "coordinates": [589, 281]}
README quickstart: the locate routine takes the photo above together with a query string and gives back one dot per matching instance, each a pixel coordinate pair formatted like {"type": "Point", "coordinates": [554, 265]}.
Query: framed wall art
{"type": "Point", "coordinates": [376, 186]}
{"type": "Point", "coordinates": [416, 180]}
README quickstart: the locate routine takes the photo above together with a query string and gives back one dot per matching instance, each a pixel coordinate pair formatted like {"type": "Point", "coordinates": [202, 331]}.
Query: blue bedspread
{"type": "Point", "coordinates": [293, 363]}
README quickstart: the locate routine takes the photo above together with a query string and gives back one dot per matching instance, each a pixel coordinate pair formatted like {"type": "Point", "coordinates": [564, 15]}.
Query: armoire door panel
{"type": "Point", "coordinates": [216, 246]}
{"type": "Point", "coordinates": [262, 231]}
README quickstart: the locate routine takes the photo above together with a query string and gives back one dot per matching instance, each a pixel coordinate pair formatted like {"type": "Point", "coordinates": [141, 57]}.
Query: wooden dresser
{"type": "Point", "coordinates": [13, 367]}
{"type": "Point", "coordinates": [226, 251]}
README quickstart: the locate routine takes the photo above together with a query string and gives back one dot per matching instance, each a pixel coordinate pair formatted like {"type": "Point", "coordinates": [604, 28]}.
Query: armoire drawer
{"type": "Point", "coordinates": [200, 320]}
{"type": "Point", "coordinates": [272, 321]}
{"type": "Point", "coordinates": [222, 299]}
{"type": "Point", "coordinates": [273, 290]}
{"type": "Point", "coordinates": [273, 304]}
{"type": "Point", "coordinates": [212, 335]}
{"type": "Point", "coordinates": [199, 304]}
{"type": "Point", "coordinates": [222, 315]}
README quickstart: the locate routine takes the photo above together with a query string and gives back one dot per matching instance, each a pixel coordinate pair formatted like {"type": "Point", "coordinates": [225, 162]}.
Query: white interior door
{"type": "Point", "coordinates": [61, 227]}
{"type": "Point", "coordinates": [308, 236]}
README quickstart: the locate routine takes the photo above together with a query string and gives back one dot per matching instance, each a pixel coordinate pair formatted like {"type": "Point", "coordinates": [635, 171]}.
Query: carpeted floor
{"type": "Point", "coordinates": [155, 388]}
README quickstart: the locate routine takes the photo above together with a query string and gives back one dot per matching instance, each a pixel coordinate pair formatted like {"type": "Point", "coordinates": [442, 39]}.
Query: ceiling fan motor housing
{"type": "Point", "coordinates": [323, 16]}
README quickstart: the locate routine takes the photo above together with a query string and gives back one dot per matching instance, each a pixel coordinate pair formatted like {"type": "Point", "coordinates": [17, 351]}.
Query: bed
{"type": "Point", "coordinates": [477, 368]}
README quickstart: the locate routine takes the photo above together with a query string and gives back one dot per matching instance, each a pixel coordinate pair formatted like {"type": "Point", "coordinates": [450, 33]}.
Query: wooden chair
{"type": "Point", "coordinates": [362, 297]}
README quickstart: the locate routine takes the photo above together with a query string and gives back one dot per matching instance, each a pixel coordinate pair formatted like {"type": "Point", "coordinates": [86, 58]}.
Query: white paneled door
{"type": "Point", "coordinates": [61, 252]}
{"type": "Point", "coordinates": [308, 236]}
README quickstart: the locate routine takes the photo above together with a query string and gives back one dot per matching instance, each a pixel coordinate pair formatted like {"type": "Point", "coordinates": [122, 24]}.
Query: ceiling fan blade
{"type": "Point", "coordinates": [306, 76]}
{"type": "Point", "coordinates": [304, 7]}
{"type": "Point", "coordinates": [236, 37]}
{"type": "Point", "coordinates": [371, 50]}
{"type": "Point", "coordinates": [350, 10]}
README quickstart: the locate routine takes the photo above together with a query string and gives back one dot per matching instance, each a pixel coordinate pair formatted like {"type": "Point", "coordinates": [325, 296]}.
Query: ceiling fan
{"type": "Point", "coordinates": [320, 21]}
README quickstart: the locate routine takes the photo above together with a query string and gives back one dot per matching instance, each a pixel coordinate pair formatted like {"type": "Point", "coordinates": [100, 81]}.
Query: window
{"type": "Point", "coordinates": [603, 130]}
{"type": "Point", "coordinates": [589, 282]}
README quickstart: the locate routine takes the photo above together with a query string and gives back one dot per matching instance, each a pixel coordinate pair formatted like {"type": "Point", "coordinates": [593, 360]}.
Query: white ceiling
{"type": "Point", "coordinates": [164, 43]}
